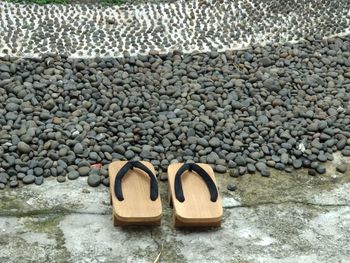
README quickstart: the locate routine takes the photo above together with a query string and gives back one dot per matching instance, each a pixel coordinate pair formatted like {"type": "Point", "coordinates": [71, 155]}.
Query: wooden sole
{"type": "Point", "coordinates": [197, 210]}
{"type": "Point", "coordinates": [137, 208]}
{"type": "Point", "coordinates": [118, 222]}
{"type": "Point", "coordinates": [178, 223]}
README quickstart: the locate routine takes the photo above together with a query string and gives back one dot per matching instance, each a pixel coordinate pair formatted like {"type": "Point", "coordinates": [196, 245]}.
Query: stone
{"type": "Point", "coordinates": [265, 173]}
{"type": "Point", "coordinates": [272, 85]}
{"type": "Point", "coordinates": [234, 173]}
{"type": "Point", "coordinates": [83, 171]}
{"type": "Point", "coordinates": [78, 148]}
{"type": "Point", "coordinates": [297, 163]}
{"type": "Point", "coordinates": [214, 142]}
{"type": "Point", "coordinates": [231, 187]}
{"type": "Point", "coordinates": [39, 180]}
{"type": "Point", "coordinates": [321, 170]}
{"type": "Point", "coordinates": [23, 147]}
{"type": "Point", "coordinates": [260, 166]}
{"type": "Point", "coordinates": [280, 166]}
{"type": "Point", "coordinates": [342, 168]}
{"type": "Point", "coordinates": [10, 107]}
{"type": "Point", "coordinates": [346, 151]}
{"type": "Point", "coordinates": [312, 172]}
{"type": "Point", "coordinates": [251, 168]}
{"type": "Point", "coordinates": [28, 179]}
{"type": "Point", "coordinates": [13, 183]}
{"type": "Point", "coordinates": [3, 178]}
{"type": "Point", "coordinates": [72, 175]}
{"type": "Point", "coordinates": [94, 179]}
{"type": "Point", "coordinates": [240, 161]}
{"type": "Point", "coordinates": [220, 168]}
{"type": "Point", "coordinates": [61, 178]}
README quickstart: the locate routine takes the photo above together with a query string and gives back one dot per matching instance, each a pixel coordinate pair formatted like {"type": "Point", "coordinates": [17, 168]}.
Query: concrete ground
{"type": "Point", "coordinates": [286, 218]}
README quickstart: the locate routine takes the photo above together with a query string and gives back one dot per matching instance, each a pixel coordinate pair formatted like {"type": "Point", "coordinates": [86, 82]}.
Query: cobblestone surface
{"type": "Point", "coordinates": [197, 25]}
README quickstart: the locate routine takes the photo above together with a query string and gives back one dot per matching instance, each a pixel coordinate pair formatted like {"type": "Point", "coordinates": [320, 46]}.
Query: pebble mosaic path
{"type": "Point", "coordinates": [197, 25]}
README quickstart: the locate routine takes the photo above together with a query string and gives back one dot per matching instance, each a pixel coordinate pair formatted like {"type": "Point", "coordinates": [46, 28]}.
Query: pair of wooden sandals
{"type": "Point", "coordinates": [193, 193]}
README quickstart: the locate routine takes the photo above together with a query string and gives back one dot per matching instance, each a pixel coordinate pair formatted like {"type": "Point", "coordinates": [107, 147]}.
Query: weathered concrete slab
{"type": "Point", "coordinates": [285, 218]}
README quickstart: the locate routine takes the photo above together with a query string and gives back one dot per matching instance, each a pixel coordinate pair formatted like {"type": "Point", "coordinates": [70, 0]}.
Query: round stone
{"type": "Point", "coordinates": [240, 160]}
{"type": "Point", "coordinates": [105, 182]}
{"type": "Point", "coordinates": [28, 179]}
{"type": "Point", "coordinates": [265, 173]}
{"type": "Point", "coordinates": [38, 171]}
{"type": "Point", "coordinates": [346, 151]}
{"type": "Point", "coordinates": [11, 107]}
{"type": "Point", "coordinates": [78, 148]}
{"type": "Point", "coordinates": [260, 166]}
{"type": "Point", "coordinates": [72, 175]}
{"type": "Point", "coordinates": [220, 168]}
{"type": "Point", "coordinates": [280, 166]}
{"type": "Point", "coordinates": [39, 180]}
{"type": "Point", "coordinates": [23, 147]}
{"type": "Point", "coordinates": [83, 171]}
{"type": "Point", "coordinates": [251, 168]}
{"type": "Point", "coordinates": [94, 179]}
{"type": "Point", "coordinates": [13, 183]}
{"type": "Point", "coordinates": [342, 168]}
{"type": "Point", "coordinates": [61, 178]}
{"type": "Point", "coordinates": [234, 173]}
{"type": "Point", "coordinates": [312, 172]}
{"type": "Point", "coordinates": [321, 170]}
{"type": "Point", "coordinates": [297, 163]}
{"type": "Point", "coordinates": [214, 142]}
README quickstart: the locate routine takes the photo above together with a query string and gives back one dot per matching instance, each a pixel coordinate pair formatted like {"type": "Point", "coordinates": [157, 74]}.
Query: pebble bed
{"type": "Point", "coordinates": [83, 31]}
{"type": "Point", "coordinates": [283, 106]}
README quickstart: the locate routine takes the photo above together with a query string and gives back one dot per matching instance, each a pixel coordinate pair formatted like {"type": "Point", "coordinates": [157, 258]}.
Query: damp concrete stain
{"type": "Point", "coordinates": [33, 238]}
{"type": "Point", "coordinates": [281, 187]}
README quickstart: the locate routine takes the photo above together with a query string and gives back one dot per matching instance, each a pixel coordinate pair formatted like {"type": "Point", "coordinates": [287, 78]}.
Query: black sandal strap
{"type": "Point", "coordinates": [202, 173]}
{"type": "Point", "coordinates": [124, 170]}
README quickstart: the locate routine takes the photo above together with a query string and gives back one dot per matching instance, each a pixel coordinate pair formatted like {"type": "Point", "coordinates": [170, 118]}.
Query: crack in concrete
{"type": "Point", "coordinates": [45, 212]}
{"type": "Point", "coordinates": [72, 212]}
{"type": "Point", "coordinates": [286, 202]}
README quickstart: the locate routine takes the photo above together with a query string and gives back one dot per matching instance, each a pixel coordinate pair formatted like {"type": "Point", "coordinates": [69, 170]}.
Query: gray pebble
{"type": "Point", "coordinates": [39, 180]}
{"type": "Point", "coordinates": [220, 168]}
{"type": "Point", "coordinates": [251, 168]}
{"type": "Point", "coordinates": [265, 173]}
{"type": "Point", "coordinates": [83, 171]}
{"type": "Point", "coordinates": [72, 175]}
{"type": "Point", "coordinates": [61, 178]}
{"type": "Point", "coordinates": [29, 179]}
{"type": "Point", "coordinates": [231, 187]}
{"type": "Point", "coordinates": [94, 179]}
{"type": "Point", "coordinates": [342, 168]}
{"type": "Point", "coordinates": [23, 147]}
{"type": "Point", "coordinates": [13, 183]}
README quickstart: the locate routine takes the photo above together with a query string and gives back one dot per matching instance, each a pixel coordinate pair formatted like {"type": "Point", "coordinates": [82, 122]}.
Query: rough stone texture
{"type": "Point", "coordinates": [202, 107]}
{"type": "Point", "coordinates": [276, 219]}
{"type": "Point", "coordinates": [196, 25]}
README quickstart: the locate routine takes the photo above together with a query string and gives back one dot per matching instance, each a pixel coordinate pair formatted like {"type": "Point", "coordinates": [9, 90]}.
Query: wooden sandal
{"type": "Point", "coordinates": [194, 195]}
{"type": "Point", "coordinates": [134, 193]}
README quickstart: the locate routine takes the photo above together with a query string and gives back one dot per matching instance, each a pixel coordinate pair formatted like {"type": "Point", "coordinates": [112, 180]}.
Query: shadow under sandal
{"type": "Point", "coordinates": [194, 195]}
{"type": "Point", "coordinates": [134, 193]}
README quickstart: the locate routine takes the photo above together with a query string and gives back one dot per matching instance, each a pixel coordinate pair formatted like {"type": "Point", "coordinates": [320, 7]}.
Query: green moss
{"type": "Point", "coordinates": [41, 2]}
{"type": "Point", "coordinates": [10, 203]}
{"type": "Point", "coordinates": [45, 224]}
{"type": "Point", "coordinates": [49, 224]}
{"type": "Point", "coordinates": [112, 2]}
{"type": "Point", "coordinates": [280, 187]}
